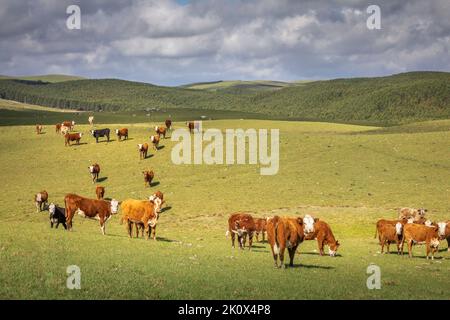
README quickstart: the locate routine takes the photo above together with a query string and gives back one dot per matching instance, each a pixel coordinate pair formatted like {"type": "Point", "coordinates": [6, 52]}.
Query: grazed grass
{"type": "Point", "coordinates": [348, 180]}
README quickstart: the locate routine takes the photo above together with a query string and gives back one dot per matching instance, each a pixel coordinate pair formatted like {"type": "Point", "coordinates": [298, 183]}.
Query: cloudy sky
{"type": "Point", "coordinates": [171, 42]}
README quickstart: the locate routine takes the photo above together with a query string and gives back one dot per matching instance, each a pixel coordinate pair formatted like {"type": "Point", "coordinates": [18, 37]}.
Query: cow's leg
{"type": "Point", "coordinates": [250, 241]}
{"type": "Point", "coordinates": [448, 244]}
{"type": "Point", "coordinates": [37, 206]}
{"type": "Point", "coordinates": [388, 244]}
{"type": "Point", "coordinates": [257, 236]}
{"type": "Point", "coordinates": [51, 224]}
{"type": "Point", "coordinates": [57, 225]}
{"type": "Point", "coordinates": [153, 230]}
{"type": "Point", "coordinates": [263, 237]}
{"type": "Point", "coordinates": [281, 255]}
{"type": "Point", "coordinates": [320, 245]}
{"type": "Point", "coordinates": [428, 249]}
{"type": "Point", "coordinates": [129, 225]}
{"type": "Point", "coordinates": [233, 235]}
{"type": "Point", "coordinates": [291, 255]}
{"type": "Point", "coordinates": [137, 226]}
{"type": "Point", "coordinates": [64, 225]}
{"type": "Point", "coordinates": [410, 243]}
{"type": "Point", "coordinates": [102, 225]}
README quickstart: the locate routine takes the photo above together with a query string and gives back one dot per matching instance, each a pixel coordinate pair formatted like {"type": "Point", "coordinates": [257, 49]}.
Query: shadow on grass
{"type": "Point", "coordinates": [102, 179]}
{"type": "Point", "coordinates": [106, 141]}
{"type": "Point", "coordinates": [123, 140]}
{"type": "Point", "coordinates": [308, 266]}
{"type": "Point", "coordinates": [338, 255]}
{"type": "Point", "coordinates": [78, 144]}
{"type": "Point", "coordinates": [154, 184]}
{"type": "Point", "coordinates": [148, 156]}
{"type": "Point", "coordinates": [160, 147]}
{"type": "Point", "coordinates": [166, 209]}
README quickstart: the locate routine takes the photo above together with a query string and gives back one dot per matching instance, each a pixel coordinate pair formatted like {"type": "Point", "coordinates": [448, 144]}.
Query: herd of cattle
{"type": "Point", "coordinates": [282, 232]}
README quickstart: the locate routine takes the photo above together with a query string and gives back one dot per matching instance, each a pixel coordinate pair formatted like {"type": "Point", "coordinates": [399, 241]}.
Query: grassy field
{"type": "Point", "coordinates": [347, 175]}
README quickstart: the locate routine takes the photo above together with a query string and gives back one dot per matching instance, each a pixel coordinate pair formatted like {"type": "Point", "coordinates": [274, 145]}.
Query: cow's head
{"type": "Point", "coordinates": [51, 209]}
{"type": "Point", "coordinates": [91, 169]}
{"type": "Point", "coordinates": [410, 220]}
{"type": "Point", "coordinates": [422, 212]}
{"type": "Point", "coordinates": [333, 248]}
{"type": "Point", "coordinates": [308, 224]}
{"type": "Point", "coordinates": [156, 202]}
{"type": "Point", "coordinates": [80, 134]}
{"type": "Point", "coordinates": [114, 206]}
{"type": "Point", "coordinates": [398, 228]}
{"type": "Point", "coordinates": [140, 146]}
{"type": "Point", "coordinates": [156, 128]}
{"type": "Point", "coordinates": [442, 226]}
{"type": "Point", "coordinates": [117, 131]}
{"type": "Point", "coordinates": [73, 123]}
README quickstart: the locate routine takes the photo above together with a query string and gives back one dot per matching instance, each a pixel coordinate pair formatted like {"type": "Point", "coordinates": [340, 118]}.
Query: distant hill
{"type": "Point", "coordinates": [240, 87]}
{"type": "Point", "coordinates": [45, 78]}
{"type": "Point", "coordinates": [401, 98]}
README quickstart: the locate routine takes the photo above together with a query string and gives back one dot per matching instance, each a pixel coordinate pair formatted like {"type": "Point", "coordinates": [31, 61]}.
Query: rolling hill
{"type": "Point", "coordinates": [240, 87]}
{"type": "Point", "coordinates": [400, 98]}
{"type": "Point", "coordinates": [52, 78]}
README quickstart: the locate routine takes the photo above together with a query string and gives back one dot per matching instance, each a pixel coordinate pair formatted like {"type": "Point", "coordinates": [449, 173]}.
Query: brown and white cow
{"type": "Point", "coordinates": [284, 233]}
{"type": "Point", "coordinates": [241, 224]}
{"type": "Point", "coordinates": [420, 234]}
{"type": "Point", "coordinates": [390, 231]}
{"type": "Point", "coordinates": [91, 120]}
{"type": "Point", "coordinates": [141, 212]}
{"type": "Point", "coordinates": [140, 225]}
{"type": "Point", "coordinates": [260, 225]}
{"type": "Point", "coordinates": [72, 137]}
{"type": "Point", "coordinates": [444, 232]}
{"type": "Point", "coordinates": [94, 170]}
{"type": "Point", "coordinates": [100, 192]}
{"type": "Point", "coordinates": [64, 130]}
{"type": "Point", "coordinates": [40, 200]}
{"type": "Point", "coordinates": [69, 124]}
{"type": "Point", "coordinates": [155, 142]}
{"type": "Point", "coordinates": [168, 124]}
{"type": "Point", "coordinates": [190, 126]}
{"type": "Point", "coordinates": [143, 149]}
{"type": "Point", "coordinates": [39, 128]}
{"type": "Point", "coordinates": [160, 195]}
{"type": "Point", "coordinates": [148, 177]}
{"type": "Point", "coordinates": [322, 232]}
{"type": "Point", "coordinates": [58, 128]}
{"type": "Point", "coordinates": [122, 133]}
{"type": "Point", "coordinates": [89, 208]}
{"type": "Point", "coordinates": [160, 131]}
{"type": "Point", "coordinates": [416, 214]}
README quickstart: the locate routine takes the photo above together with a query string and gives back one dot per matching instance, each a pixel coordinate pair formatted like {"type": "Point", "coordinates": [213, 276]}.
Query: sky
{"type": "Point", "coordinates": [174, 42]}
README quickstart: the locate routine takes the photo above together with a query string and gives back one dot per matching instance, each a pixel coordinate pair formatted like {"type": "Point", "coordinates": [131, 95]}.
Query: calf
{"type": "Point", "coordinates": [444, 232]}
{"type": "Point", "coordinates": [40, 200]}
{"type": "Point", "coordinates": [100, 133]}
{"type": "Point", "coordinates": [94, 170]}
{"type": "Point", "coordinates": [241, 224]}
{"type": "Point", "coordinates": [140, 225]}
{"type": "Point", "coordinates": [284, 233]}
{"type": "Point", "coordinates": [143, 149]}
{"type": "Point", "coordinates": [160, 131]}
{"type": "Point", "coordinates": [382, 222]}
{"type": "Point", "coordinates": [322, 232]}
{"type": "Point", "coordinates": [89, 208]}
{"type": "Point", "coordinates": [148, 177]}
{"type": "Point", "coordinates": [155, 142]}
{"type": "Point", "coordinates": [122, 133]}
{"type": "Point", "coordinates": [168, 124]}
{"type": "Point", "coordinates": [416, 214]}
{"type": "Point", "coordinates": [58, 128]}
{"type": "Point", "coordinates": [390, 232]}
{"type": "Point", "coordinates": [57, 215]}
{"type": "Point", "coordinates": [419, 234]}
{"type": "Point", "coordinates": [100, 192]}
{"type": "Point", "coordinates": [72, 137]}
{"type": "Point", "coordinates": [69, 124]}
{"type": "Point", "coordinates": [260, 227]}
{"type": "Point", "coordinates": [38, 128]}
{"type": "Point", "coordinates": [141, 212]}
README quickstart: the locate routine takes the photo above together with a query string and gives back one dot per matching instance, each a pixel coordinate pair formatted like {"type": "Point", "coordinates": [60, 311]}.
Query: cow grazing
{"type": "Point", "coordinates": [100, 133]}
{"type": "Point", "coordinates": [260, 225]}
{"type": "Point", "coordinates": [148, 177]}
{"type": "Point", "coordinates": [390, 231]}
{"type": "Point", "coordinates": [418, 234]}
{"type": "Point", "coordinates": [444, 232]}
{"type": "Point", "coordinates": [58, 128]}
{"type": "Point", "coordinates": [94, 170]}
{"type": "Point", "coordinates": [91, 120]}
{"type": "Point", "coordinates": [160, 131]}
{"type": "Point", "coordinates": [72, 137]}
{"type": "Point", "coordinates": [190, 126]}
{"type": "Point", "coordinates": [322, 232]}
{"type": "Point", "coordinates": [89, 208]}
{"type": "Point", "coordinates": [64, 130]}
{"type": "Point", "coordinates": [143, 149]}
{"type": "Point", "coordinates": [416, 214]}
{"type": "Point", "coordinates": [284, 233]}
{"type": "Point", "coordinates": [40, 200]}
{"type": "Point", "coordinates": [100, 192]}
{"type": "Point", "coordinates": [241, 224]}
{"type": "Point", "coordinates": [57, 215]}
{"type": "Point", "coordinates": [39, 128]}
{"type": "Point", "coordinates": [69, 124]}
{"type": "Point", "coordinates": [141, 212]}
{"type": "Point", "coordinates": [155, 142]}
{"type": "Point", "coordinates": [122, 133]}
{"type": "Point", "coordinates": [168, 124]}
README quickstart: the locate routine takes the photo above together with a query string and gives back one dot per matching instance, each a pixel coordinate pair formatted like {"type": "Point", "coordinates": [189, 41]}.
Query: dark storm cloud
{"type": "Point", "coordinates": [167, 42]}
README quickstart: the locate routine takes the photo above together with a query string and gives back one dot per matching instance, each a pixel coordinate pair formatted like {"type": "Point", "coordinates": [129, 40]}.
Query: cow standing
{"type": "Point", "coordinates": [40, 200]}
{"type": "Point", "coordinates": [69, 124]}
{"type": "Point", "coordinates": [444, 232]}
{"type": "Point", "coordinates": [160, 131]}
{"type": "Point", "coordinates": [91, 120]}
{"type": "Point", "coordinates": [72, 137]}
{"type": "Point", "coordinates": [148, 177]}
{"type": "Point", "coordinates": [416, 214]}
{"type": "Point", "coordinates": [260, 225]}
{"type": "Point", "coordinates": [100, 133]}
{"type": "Point", "coordinates": [58, 128]}
{"type": "Point", "coordinates": [190, 126]}
{"type": "Point", "coordinates": [39, 128]}
{"type": "Point", "coordinates": [100, 192]}
{"type": "Point", "coordinates": [122, 133]}
{"type": "Point", "coordinates": [241, 224]}
{"type": "Point", "coordinates": [94, 170]}
{"type": "Point", "coordinates": [143, 149]}
{"type": "Point", "coordinates": [284, 233]}
{"type": "Point", "coordinates": [57, 216]}
{"type": "Point", "coordinates": [155, 142]}
{"type": "Point", "coordinates": [418, 234]}
{"type": "Point", "coordinates": [89, 208]}
{"type": "Point", "coordinates": [168, 124]}
{"type": "Point", "coordinates": [322, 232]}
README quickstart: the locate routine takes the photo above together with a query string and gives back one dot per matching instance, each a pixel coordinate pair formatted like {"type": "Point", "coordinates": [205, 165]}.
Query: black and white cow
{"type": "Point", "coordinates": [100, 133]}
{"type": "Point", "coordinates": [57, 215]}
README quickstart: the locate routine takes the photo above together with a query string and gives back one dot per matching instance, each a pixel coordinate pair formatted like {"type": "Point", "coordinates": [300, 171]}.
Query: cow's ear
{"type": "Point", "coordinates": [300, 221]}
{"type": "Point", "coordinates": [316, 219]}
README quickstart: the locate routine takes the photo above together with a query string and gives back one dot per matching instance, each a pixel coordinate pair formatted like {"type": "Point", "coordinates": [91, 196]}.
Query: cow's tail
{"type": "Point", "coordinates": [276, 245]}
{"type": "Point", "coordinates": [376, 232]}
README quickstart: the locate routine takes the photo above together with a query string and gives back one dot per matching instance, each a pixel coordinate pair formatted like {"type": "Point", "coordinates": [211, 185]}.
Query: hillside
{"type": "Point", "coordinates": [393, 99]}
{"type": "Point", "coordinates": [239, 87]}
{"type": "Point", "coordinates": [45, 78]}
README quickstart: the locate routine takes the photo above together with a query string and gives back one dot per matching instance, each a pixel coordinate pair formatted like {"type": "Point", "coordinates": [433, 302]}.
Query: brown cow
{"type": "Point", "coordinates": [160, 195]}
{"type": "Point", "coordinates": [155, 142]}
{"type": "Point", "coordinates": [143, 149]}
{"type": "Point", "coordinates": [322, 232]}
{"type": "Point", "coordinates": [160, 131]}
{"type": "Point", "coordinates": [58, 128]}
{"type": "Point", "coordinates": [444, 232]}
{"type": "Point", "coordinates": [72, 137]}
{"type": "Point", "coordinates": [168, 124]}
{"type": "Point", "coordinates": [38, 128]}
{"type": "Point", "coordinates": [382, 222]}
{"type": "Point", "coordinates": [419, 234]}
{"type": "Point", "coordinates": [122, 133]}
{"type": "Point", "coordinates": [284, 233]}
{"type": "Point", "coordinates": [148, 177]}
{"type": "Point", "coordinates": [157, 194]}
{"type": "Point", "coordinates": [69, 124]}
{"type": "Point", "coordinates": [100, 192]}
{"type": "Point", "coordinates": [64, 130]}
{"type": "Point", "coordinates": [260, 225]}
{"type": "Point", "coordinates": [90, 208]}
{"type": "Point", "coordinates": [390, 231]}
{"type": "Point", "coordinates": [40, 200]}
{"type": "Point", "coordinates": [141, 212]}
{"type": "Point", "coordinates": [241, 224]}
{"type": "Point", "coordinates": [190, 126]}
{"type": "Point", "coordinates": [416, 214]}
{"type": "Point", "coordinates": [94, 170]}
